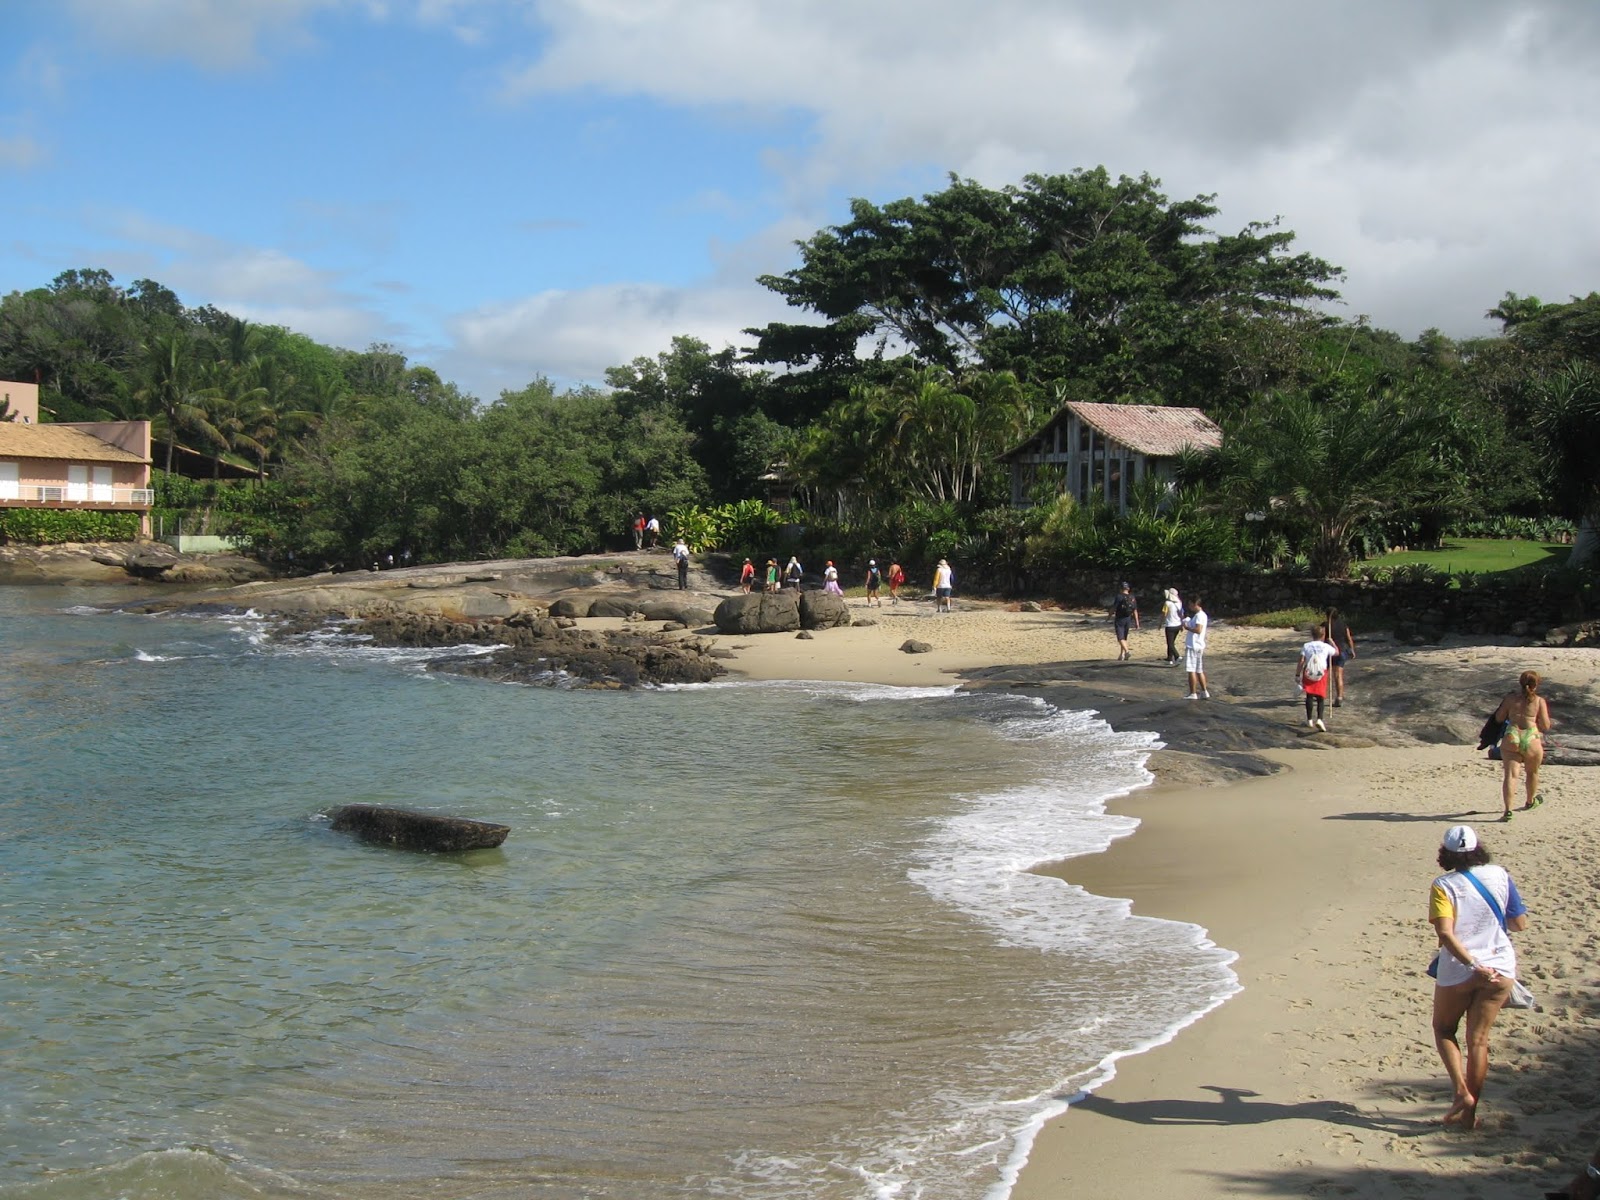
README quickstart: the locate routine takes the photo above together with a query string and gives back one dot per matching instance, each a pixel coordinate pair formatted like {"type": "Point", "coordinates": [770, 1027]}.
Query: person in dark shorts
{"type": "Point", "coordinates": [1344, 649]}
{"type": "Point", "coordinates": [1124, 614]}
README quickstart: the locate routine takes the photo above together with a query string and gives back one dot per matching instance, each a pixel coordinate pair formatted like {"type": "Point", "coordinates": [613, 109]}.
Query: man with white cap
{"type": "Point", "coordinates": [1474, 907]}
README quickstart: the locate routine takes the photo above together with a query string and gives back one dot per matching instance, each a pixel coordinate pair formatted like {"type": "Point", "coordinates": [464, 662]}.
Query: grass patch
{"type": "Point", "coordinates": [1283, 618]}
{"type": "Point", "coordinates": [1479, 556]}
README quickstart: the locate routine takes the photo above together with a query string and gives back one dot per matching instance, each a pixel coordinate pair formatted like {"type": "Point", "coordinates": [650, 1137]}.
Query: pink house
{"type": "Point", "coordinates": [97, 465]}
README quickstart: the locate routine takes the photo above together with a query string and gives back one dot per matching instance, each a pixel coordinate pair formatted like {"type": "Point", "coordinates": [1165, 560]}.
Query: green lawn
{"type": "Point", "coordinates": [1479, 555]}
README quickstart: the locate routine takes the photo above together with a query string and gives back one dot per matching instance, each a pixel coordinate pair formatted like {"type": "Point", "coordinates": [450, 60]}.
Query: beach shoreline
{"type": "Point", "coordinates": [1309, 856]}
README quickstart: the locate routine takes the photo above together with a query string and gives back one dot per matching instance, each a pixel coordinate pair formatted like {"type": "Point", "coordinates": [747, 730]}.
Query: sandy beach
{"type": "Point", "coordinates": [1310, 856]}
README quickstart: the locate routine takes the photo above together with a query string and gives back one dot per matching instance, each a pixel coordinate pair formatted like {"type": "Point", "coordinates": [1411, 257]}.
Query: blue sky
{"type": "Point", "coordinates": [509, 188]}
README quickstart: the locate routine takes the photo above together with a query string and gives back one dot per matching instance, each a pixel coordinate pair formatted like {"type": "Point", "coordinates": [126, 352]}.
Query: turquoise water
{"type": "Point", "coordinates": [744, 940]}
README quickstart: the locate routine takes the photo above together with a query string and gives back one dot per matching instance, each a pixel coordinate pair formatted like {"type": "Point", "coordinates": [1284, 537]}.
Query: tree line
{"type": "Point", "coordinates": [931, 335]}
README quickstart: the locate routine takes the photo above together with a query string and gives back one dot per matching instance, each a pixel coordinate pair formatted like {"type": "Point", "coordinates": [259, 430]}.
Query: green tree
{"type": "Point", "coordinates": [1105, 286]}
{"type": "Point", "coordinates": [1566, 416]}
{"type": "Point", "coordinates": [1319, 462]}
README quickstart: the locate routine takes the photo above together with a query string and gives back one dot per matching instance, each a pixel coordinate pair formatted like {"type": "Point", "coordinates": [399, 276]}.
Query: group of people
{"type": "Point", "coordinates": [1191, 620]}
{"type": "Point", "coordinates": [1319, 674]}
{"type": "Point", "coordinates": [646, 531]}
{"type": "Point", "coordinates": [1474, 908]}
{"type": "Point", "coordinates": [792, 575]}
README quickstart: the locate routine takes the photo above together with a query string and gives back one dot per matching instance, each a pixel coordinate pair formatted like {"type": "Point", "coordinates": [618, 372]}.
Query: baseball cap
{"type": "Point", "coordinates": [1460, 839]}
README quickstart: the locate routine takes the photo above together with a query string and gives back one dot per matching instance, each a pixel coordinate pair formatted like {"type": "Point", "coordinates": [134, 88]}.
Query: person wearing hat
{"type": "Point", "coordinates": [1124, 612]}
{"type": "Point", "coordinates": [772, 575]}
{"type": "Point", "coordinates": [874, 582]}
{"type": "Point", "coordinates": [747, 576]}
{"type": "Point", "coordinates": [830, 580]}
{"type": "Point", "coordinates": [1171, 622]}
{"type": "Point", "coordinates": [1474, 907]}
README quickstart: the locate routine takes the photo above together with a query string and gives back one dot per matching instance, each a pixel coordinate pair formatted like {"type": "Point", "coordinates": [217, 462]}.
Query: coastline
{"type": "Point", "coordinates": [1310, 857]}
{"type": "Point", "coordinates": [1311, 862]}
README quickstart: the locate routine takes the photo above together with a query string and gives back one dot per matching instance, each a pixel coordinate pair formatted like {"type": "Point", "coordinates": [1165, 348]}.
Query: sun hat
{"type": "Point", "coordinates": [1460, 839]}
{"type": "Point", "coordinates": [872, 562]}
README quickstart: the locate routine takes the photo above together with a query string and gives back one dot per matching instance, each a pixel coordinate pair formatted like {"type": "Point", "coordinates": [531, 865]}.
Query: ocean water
{"type": "Point", "coordinates": [744, 940]}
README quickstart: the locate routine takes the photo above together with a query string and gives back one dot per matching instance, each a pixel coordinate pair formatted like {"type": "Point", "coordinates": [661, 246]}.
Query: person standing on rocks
{"type": "Point", "coordinates": [1312, 672]}
{"type": "Point", "coordinates": [638, 531]}
{"type": "Point", "coordinates": [1124, 612]}
{"type": "Point", "coordinates": [652, 530]}
{"type": "Point", "coordinates": [793, 573]}
{"type": "Point", "coordinates": [1194, 649]}
{"type": "Point", "coordinates": [1344, 649]}
{"type": "Point", "coordinates": [1171, 623]}
{"type": "Point", "coordinates": [772, 576]}
{"type": "Point", "coordinates": [680, 555]}
{"type": "Point", "coordinates": [747, 577]}
{"type": "Point", "coordinates": [874, 582]}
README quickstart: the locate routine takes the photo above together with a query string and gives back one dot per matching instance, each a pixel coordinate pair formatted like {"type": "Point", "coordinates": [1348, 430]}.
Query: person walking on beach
{"type": "Point", "coordinates": [1171, 622]}
{"type": "Point", "coordinates": [792, 573]}
{"type": "Point", "coordinates": [772, 575]}
{"type": "Point", "coordinates": [1194, 649]}
{"type": "Point", "coordinates": [897, 579]}
{"type": "Point", "coordinates": [1527, 719]}
{"type": "Point", "coordinates": [944, 586]}
{"type": "Point", "coordinates": [830, 580]}
{"type": "Point", "coordinates": [747, 577]}
{"type": "Point", "coordinates": [1124, 612]}
{"type": "Point", "coordinates": [680, 555]}
{"type": "Point", "coordinates": [1473, 907]}
{"type": "Point", "coordinates": [1344, 649]}
{"type": "Point", "coordinates": [1311, 673]}
{"type": "Point", "coordinates": [874, 582]}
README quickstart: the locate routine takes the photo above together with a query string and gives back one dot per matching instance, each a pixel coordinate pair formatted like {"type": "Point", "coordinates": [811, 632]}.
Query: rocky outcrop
{"type": "Point", "coordinates": [410, 830]}
{"type": "Point", "coordinates": [759, 612]}
{"type": "Point", "coordinates": [823, 610]}
{"type": "Point", "coordinates": [688, 613]}
{"type": "Point", "coordinates": [602, 660]}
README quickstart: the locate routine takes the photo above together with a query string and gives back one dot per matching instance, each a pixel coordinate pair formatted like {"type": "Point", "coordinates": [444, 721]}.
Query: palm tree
{"type": "Point", "coordinates": [169, 395]}
{"type": "Point", "coordinates": [1566, 415]}
{"type": "Point", "coordinates": [1332, 459]}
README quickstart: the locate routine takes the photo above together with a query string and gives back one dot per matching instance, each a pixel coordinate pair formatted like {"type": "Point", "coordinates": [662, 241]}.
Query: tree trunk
{"type": "Point", "coordinates": [1586, 546]}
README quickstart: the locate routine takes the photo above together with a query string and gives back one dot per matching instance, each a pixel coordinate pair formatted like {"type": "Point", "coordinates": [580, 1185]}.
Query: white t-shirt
{"type": "Point", "coordinates": [1315, 656]}
{"type": "Point", "coordinates": [1476, 926]}
{"type": "Point", "coordinates": [1195, 639]}
{"type": "Point", "coordinates": [1171, 614]}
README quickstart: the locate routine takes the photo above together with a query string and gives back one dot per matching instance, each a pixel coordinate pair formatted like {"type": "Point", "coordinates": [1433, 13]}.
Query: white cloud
{"type": "Point", "coordinates": [214, 34]}
{"type": "Point", "coordinates": [573, 336]}
{"type": "Point", "coordinates": [1428, 148]}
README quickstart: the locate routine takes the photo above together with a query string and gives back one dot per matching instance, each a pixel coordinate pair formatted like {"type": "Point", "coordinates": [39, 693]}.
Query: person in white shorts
{"type": "Point", "coordinates": [1194, 650]}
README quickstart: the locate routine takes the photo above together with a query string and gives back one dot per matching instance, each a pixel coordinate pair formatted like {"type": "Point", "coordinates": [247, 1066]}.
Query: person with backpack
{"type": "Point", "coordinates": [747, 576]}
{"type": "Point", "coordinates": [1311, 673]}
{"type": "Point", "coordinates": [793, 573]}
{"type": "Point", "coordinates": [874, 581]}
{"type": "Point", "coordinates": [1124, 612]}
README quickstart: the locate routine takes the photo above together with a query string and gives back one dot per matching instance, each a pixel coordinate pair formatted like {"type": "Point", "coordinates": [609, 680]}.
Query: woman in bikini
{"type": "Point", "coordinates": [1527, 718]}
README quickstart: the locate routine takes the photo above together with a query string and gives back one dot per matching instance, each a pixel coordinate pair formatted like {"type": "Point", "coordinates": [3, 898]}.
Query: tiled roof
{"type": "Point", "coordinates": [55, 441]}
{"type": "Point", "coordinates": [1152, 429]}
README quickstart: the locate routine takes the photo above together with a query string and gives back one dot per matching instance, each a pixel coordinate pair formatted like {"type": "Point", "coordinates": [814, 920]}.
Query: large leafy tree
{"type": "Point", "coordinates": [1104, 286]}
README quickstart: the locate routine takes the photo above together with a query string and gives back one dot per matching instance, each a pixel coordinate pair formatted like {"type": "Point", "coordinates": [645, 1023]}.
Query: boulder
{"type": "Point", "coordinates": [759, 612]}
{"type": "Point", "coordinates": [612, 606]}
{"type": "Point", "coordinates": [409, 830]}
{"type": "Point", "coordinates": [823, 610]}
{"type": "Point", "coordinates": [684, 612]}
{"type": "Point", "coordinates": [912, 646]}
{"type": "Point", "coordinates": [567, 606]}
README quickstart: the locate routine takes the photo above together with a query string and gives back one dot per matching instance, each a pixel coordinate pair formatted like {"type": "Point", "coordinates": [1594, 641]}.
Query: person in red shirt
{"type": "Point", "coordinates": [747, 576]}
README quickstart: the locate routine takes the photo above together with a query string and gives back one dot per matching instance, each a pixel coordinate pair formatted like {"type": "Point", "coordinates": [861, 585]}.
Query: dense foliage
{"type": "Point", "coordinates": [932, 335]}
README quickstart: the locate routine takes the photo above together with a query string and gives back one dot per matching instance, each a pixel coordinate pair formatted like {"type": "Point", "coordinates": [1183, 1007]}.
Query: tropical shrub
{"type": "Point", "coordinates": [51, 527]}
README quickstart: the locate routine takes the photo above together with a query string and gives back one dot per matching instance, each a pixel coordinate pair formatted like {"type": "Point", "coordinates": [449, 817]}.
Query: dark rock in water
{"type": "Point", "coordinates": [618, 661]}
{"type": "Point", "coordinates": [409, 830]}
{"type": "Point", "coordinates": [912, 646]}
{"type": "Point", "coordinates": [823, 610]}
{"type": "Point", "coordinates": [759, 612]}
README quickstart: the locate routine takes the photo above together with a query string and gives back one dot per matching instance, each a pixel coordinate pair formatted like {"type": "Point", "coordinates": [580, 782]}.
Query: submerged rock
{"type": "Point", "coordinates": [410, 830]}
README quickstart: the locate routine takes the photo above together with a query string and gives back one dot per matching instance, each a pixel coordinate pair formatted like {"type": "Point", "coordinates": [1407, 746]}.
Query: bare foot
{"type": "Point", "coordinates": [1463, 1113]}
